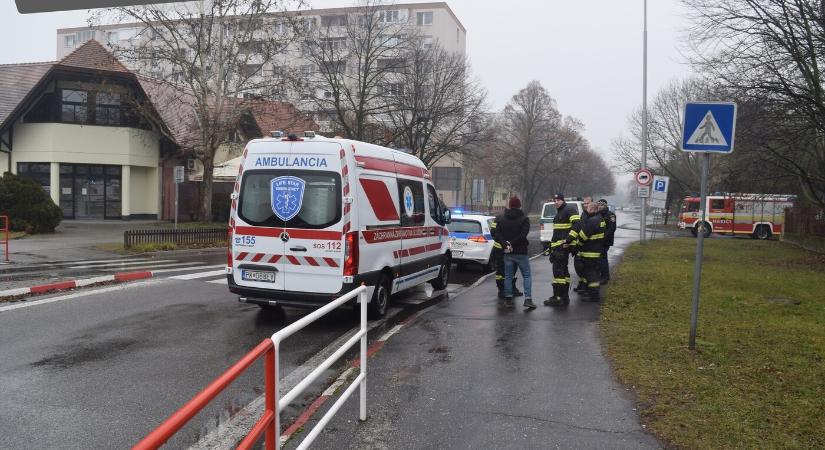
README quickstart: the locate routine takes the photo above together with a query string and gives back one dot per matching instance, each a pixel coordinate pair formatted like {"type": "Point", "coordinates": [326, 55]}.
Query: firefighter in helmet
{"type": "Point", "coordinates": [591, 246]}
{"type": "Point", "coordinates": [566, 226]}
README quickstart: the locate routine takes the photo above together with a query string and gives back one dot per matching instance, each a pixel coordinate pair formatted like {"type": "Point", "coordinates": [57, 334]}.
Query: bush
{"type": "Point", "coordinates": [28, 206]}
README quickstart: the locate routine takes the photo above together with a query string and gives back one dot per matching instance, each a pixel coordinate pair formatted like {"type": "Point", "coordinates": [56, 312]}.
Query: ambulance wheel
{"type": "Point", "coordinates": [762, 232]}
{"type": "Point", "coordinates": [377, 307]}
{"type": "Point", "coordinates": [443, 276]}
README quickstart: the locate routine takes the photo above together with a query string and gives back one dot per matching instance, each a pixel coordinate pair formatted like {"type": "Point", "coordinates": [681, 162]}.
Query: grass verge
{"type": "Point", "coordinates": [757, 379]}
{"type": "Point", "coordinates": [117, 247]}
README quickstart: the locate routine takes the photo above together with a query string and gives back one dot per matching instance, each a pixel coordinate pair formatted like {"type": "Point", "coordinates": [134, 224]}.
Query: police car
{"type": "Point", "coordinates": [471, 240]}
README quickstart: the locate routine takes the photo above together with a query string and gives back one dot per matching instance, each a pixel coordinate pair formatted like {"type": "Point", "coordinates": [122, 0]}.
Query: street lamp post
{"type": "Point", "coordinates": [643, 227]}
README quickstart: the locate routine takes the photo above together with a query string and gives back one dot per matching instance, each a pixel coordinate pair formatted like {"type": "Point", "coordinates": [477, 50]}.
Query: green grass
{"type": "Point", "coordinates": [757, 379]}
{"type": "Point", "coordinates": [815, 243]}
{"type": "Point", "coordinates": [16, 235]}
{"type": "Point", "coordinates": [117, 247]}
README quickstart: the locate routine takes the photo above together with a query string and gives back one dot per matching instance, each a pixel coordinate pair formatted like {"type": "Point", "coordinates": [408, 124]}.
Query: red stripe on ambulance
{"type": "Point", "coordinates": [293, 233]}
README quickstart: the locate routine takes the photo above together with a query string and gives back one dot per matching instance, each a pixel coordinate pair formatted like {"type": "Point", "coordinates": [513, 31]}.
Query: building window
{"type": "Point", "coordinates": [390, 41]}
{"type": "Point", "coordinates": [68, 41]}
{"type": "Point", "coordinates": [83, 36]}
{"type": "Point", "coordinates": [251, 70]}
{"type": "Point", "coordinates": [391, 89]}
{"type": "Point", "coordinates": [426, 42]}
{"type": "Point", "coordinates": [306, 70]}
{"type": "Point", "coordinates": [73, 106]}
{"type": "Point", "coordinates": [112, 37]}
{"type": "Point", "coordinates": [281, 27]}
{"type": "Point", "coordinates": [334, 45]}
{"type": "Point", "coordinates": [334, 67]}
{"type": "Point", "coordinates": [391, 65]}
{"type": "Point", "coordinates": [39, 172]}
{"type": "Point", "coordinates": [390, 16]}
{"type": "Point", "coordinates": [424, 18]}
{"type": "Point", "coordinates": [334, 21]}
{"type": "Point", "coordinates": [108, 109]}
{"type": "Point", "coordinates": [308, 23]}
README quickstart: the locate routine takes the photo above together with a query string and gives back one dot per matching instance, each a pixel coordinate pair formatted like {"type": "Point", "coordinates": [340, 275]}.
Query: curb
{"type": "Point", "coordinates": [72, 284]}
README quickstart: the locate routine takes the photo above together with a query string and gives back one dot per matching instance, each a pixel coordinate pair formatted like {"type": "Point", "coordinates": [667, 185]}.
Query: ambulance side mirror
{"type": "Point", "coordinates": [233, 196]}
{"type": "Point", "coordinates": [445, 216]}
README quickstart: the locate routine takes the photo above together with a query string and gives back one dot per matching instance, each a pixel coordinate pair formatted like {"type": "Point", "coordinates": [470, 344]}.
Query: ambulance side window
{"type": "Point", "coordinates": [435, 208]}
{"type": "Point", "coordinates": [411, 203]}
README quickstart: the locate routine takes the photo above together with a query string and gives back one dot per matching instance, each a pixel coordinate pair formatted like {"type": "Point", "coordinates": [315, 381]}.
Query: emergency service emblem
{"type": "Point", "coordinates": [408, 201]}
{"type": "Point", "coordinates": [287, 196]}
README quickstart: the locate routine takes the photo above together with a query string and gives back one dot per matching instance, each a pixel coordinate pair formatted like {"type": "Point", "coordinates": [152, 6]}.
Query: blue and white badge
{"type": "Point", "coordinates": [408, 201]}
{"type": "Point", "coordinates": [287, 196]}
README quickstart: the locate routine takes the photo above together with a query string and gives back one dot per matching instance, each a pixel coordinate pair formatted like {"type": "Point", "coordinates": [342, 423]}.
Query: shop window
{"type": "Point", "coordinates": [108, 109]}
{"type": "Point", "coordinates": [40, 172]}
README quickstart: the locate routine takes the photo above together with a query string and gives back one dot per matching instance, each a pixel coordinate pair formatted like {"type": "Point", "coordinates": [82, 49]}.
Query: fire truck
{"type": "Point", "coordinates": [758, 215]}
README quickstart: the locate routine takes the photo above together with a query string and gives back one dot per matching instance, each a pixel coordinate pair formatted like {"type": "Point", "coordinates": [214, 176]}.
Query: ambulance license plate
{"type": "Point", "coordinates": [258, 275]}
{"type": "Point", "coordinates": [458, 254]}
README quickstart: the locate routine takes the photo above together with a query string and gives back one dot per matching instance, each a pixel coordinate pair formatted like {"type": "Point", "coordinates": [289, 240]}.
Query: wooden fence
{"type": "Point", "coordinates": [179, 237]}
{"type": "Point", "coordinates": [805, 227]}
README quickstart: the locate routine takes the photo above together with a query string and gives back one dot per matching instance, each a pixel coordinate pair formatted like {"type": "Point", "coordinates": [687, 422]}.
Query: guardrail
{"type": "Point", "coordinates": [194, 236]}
{"type": "Point", "coordinates": [360, 380]}
{"type": "Point", "coordinates": [270, 423]}
{"type": "Point", "coordinates": [266, 424]}
{"type": "Point", "coordinates": [5, 233]}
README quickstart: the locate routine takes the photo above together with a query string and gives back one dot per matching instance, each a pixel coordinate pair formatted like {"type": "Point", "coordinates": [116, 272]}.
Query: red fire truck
{"type": "Point", "coordinates": [759, 215]}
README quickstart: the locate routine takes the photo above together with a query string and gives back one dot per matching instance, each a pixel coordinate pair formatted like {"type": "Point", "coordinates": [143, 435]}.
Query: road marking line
{"type": "Point", "coordinates": [120, 266]}
{"type": "Point", "coordinates": [99, 261]}
{"type": "Point", "coordinates": [149, 266]}
{"type": "Point", "coordinates": [219, 281]}
{"type": "Point", "coordinates": [88, 281]}
{"type": "Point", "coordinates": [26, 304]}
{"type": "Point", "coordinates": [338, 382]}
{"type": "Point", "coordinates": [181, 269]}
{"type": "Point", "coordinates": [389, 334]}
{"type": "Point", "coordinates": [192, 276]}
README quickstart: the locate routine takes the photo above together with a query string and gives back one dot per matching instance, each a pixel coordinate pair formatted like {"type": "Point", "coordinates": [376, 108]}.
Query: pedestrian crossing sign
{"type": "Point", "coordinates": [708, 127]}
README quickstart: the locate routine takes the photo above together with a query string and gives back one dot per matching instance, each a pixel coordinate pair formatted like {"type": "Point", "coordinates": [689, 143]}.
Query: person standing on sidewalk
{"type": "Point", "coordinates": [591, 242]}
{"type": "Point", "coordinates": [498, 259]}
{"type": "Point", "coordinates": [609, 232]}
{"type": "Point", "coordinates": [566, 226]}
{"type": "Point", "coordinates": [578, 261]}
{"type": "Point", "coordinates": [511, 233]}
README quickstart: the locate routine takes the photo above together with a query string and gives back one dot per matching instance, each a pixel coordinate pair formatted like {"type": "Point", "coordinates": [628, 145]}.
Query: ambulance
{"type": "Point", "coordinates": [313, 218]}
{"type": "Point", "coordinates": [757, 215]}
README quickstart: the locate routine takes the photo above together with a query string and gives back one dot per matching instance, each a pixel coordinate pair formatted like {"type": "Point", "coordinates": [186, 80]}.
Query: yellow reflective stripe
{"type": "Point", "coordinates": [597, 236]}
{"type": "Point", "coordinates": [593, 284]}
{"type": "Point", "coordinates": [499, 277]}
{"type": "Point", "coordinates": [493, 225]}
{"type": "Point", "coordinates": [556, 244]}
{"type": "Point", "coordinates": [561, 280]}
{"type": "Point", "coordinates": [601, 224]}
{"type": "Point", "coordinates": [496, 245]}
{"type": "Point", "coordinates": [590, 254]}
{"type": "Point", "coordinates": [583, 235]}
{"type": "Point", "coordinates": [575, 217]}
{"type": "Point", "coordinates": [561, 226]}
{"type": "Point", "coordinates": [573, 234]}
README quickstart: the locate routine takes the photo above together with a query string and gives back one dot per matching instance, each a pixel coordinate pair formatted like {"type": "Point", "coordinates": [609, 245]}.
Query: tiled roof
{"type": "Point", "coordinates": [176, 107]}
{"type": "Point", "coordinates": [92, 55]}
{"type": "Point", "coordinates": [16, 81]}
{"type": "Point", "coordinates": [271, 116]}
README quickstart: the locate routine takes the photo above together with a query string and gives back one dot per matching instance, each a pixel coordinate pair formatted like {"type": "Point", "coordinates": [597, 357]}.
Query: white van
{"type": "Point", "coordinates": [548, 213]}
{"type": "Point", "coordinates": [312, 218]}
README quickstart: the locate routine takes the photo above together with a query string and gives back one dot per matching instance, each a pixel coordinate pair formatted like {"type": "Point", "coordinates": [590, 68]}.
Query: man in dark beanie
{"type": "Point", "coordinates": [511, 232]}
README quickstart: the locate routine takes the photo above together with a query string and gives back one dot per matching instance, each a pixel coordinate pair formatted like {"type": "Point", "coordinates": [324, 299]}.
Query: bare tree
{"type": "Point", "coordinates": [434, 108]}
{"type": "Point", "coordinates": [351, 57]}
{"type": "Point", "coordinates": [209, 53]}
{"type": "Point", "coordinates": [771, 53]}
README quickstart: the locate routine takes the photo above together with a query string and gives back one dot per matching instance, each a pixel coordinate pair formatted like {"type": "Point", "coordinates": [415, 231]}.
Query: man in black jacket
{"type": "Point", "coordinates": [511, 233]}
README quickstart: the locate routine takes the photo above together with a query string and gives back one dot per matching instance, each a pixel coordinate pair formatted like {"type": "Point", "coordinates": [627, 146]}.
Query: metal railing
{"type": "Point", "coordinates": [360, 380]}
{"type": "Point", "coordinates": [194, 236]}
{"type": "Point", "coordinates": [5, 234]}
{"type": "Point", "coordinates": [270, 423]}
{"type": "Point", "coordinates": [266, 424]}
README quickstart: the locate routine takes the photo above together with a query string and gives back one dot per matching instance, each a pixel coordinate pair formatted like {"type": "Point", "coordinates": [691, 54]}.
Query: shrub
{"type": "Point", "coordinates": [28, 206]}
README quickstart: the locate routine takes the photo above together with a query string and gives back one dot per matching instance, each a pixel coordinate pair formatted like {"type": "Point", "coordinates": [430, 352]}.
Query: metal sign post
{"type": "Point", "coordinates": [707, 127]}
{"type": "Point", "coordinates": [179, 175]}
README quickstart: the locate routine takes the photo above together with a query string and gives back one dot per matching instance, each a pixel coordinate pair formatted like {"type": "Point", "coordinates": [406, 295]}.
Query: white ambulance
{"type": "Point", "coordinates": [312, 218]}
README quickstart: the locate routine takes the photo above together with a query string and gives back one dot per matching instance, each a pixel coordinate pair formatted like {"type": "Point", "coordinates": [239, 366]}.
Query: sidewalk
{"type": "Point", "coordinates": [468, 374]}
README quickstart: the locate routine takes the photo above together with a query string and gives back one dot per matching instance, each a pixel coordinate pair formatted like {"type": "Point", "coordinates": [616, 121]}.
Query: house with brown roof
{"type": "Point", "coordinates": [104, 141]}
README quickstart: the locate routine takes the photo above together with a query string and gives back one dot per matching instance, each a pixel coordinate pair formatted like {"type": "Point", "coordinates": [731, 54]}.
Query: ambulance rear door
{"type": "Point", "coordinates": [309, 198]}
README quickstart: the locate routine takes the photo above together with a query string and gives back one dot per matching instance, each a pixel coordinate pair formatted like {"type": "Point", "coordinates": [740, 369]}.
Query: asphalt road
{"type": "Point", "coordinates": [100, 368]}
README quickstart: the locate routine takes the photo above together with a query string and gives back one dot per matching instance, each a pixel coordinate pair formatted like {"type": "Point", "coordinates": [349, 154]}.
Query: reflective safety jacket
{"type": "Point", "coordinates": [566, 226]}
{"type": "Point", "coordinates": [493, 231]}
{"type": "Point", "coordinates": [591, 237]}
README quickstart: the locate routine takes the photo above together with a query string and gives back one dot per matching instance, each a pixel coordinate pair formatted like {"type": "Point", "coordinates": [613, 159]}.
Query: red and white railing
{"type": "Point", "coordinates": [270, 423]}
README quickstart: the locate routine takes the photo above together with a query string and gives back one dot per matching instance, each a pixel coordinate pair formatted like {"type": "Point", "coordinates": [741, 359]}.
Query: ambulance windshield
{"type": "Point", "coordinates": [291, 199]}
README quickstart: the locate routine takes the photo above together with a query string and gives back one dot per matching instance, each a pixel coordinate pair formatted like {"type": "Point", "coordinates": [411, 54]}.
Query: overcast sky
{"type": "Point", "coordinates": [588, 54]}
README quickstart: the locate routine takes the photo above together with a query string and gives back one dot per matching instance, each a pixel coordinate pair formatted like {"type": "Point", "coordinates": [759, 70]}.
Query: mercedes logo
{"type": "Point", "coordinates": [284, 236]}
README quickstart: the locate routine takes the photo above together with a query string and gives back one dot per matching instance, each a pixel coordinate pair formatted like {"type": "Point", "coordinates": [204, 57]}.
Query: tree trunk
{"type": "Point", "coordinates": [205, 212]}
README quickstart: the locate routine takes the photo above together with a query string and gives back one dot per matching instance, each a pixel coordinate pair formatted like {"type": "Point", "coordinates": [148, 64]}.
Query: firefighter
{"type": "Point", "coordinates": [498, 258]}
{"type": "Point", "coordinates": [578, 262]}
{"type": "Point", "coordinates": [566, 226]}
{"type": "Point", "coordinates": [591, 246]}
{"type": "Point", "coordinates": [610, 231]}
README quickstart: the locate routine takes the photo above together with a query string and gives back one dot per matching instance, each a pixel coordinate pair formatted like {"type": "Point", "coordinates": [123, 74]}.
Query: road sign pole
{"type": "Point", "coordinates": [176, 205]}
{"type": "Point", "coordinates": [700, 247]}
